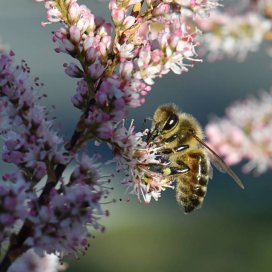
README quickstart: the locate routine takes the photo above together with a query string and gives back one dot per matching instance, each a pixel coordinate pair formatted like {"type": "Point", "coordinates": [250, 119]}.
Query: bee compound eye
{"type": "Point", "coordinates": [171, 122]}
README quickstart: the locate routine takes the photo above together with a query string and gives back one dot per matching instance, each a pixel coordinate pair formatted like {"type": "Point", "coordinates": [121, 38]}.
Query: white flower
{"type": "Point", "coordinates": [125, 50]}
{"type": "Point", "coordinates": [135, 157]}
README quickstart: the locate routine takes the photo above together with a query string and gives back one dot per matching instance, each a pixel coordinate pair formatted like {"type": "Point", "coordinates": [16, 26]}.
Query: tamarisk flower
{"type": "Point", "coordinates": [117, 67]}
{"type": "Point", "coordinates": [118, 63]}
{"type": "Point", "coordinates": [245, 133]}
{"type": "Point", "coordinates": [30, 140]}
{"type": "Point", "coordinates": [14, 200]}
{"type": "Point", "coordinates": [135, 158]}
{"type": "Point", "coordinates": [63, 224]}
{"type": "Point", "coordinates": [51, 217]}
{"type": "Point", "coordinates": [232, 36]}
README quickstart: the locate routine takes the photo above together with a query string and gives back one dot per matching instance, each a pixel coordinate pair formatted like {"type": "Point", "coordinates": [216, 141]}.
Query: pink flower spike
{"type": "Point", "coordinates": [245, 133]}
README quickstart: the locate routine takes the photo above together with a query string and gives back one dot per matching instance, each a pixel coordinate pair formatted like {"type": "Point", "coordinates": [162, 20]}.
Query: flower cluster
{"type": "Point", "coordinates": [245, 133]}
{"type": "Point", "coordinates": [57, 214]}
{"type": "Point", "coordinates": [63, 224]}
{"type": "Point", "coordinates": [135, 158]}
{"type": "Point", "coordinates": [30, 140]}
{"type": "Point", "coordinates": [116, 66]}
{"type": "Point", "coordinates": [234, 35]}
{"type": "Point", "coordinates": [14, 194]}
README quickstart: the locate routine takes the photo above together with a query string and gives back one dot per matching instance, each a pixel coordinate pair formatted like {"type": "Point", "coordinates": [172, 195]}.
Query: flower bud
{"type": "Point", "coordinates": [75, 34]}
{"type": "Point", "coordinates": [128, 22]}
{"type": "Point", "coordinates": [96, 70]}
{"type": "Point", "coordinates": [118, 16]}
{"type": "Point", "coordinates": [73, 12]}
{"type": "Point", "coordinates": [73, 70]}
{"type": "Point", "coordinates": [126, 69]}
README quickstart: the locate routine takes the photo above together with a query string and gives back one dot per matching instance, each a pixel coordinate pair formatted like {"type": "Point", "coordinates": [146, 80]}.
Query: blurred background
{"type": "Point", "coordinates": [231, 232]}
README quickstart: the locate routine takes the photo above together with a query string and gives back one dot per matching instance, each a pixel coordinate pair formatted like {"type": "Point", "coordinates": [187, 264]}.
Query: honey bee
{"type": "Point", "coordinates": [181, 140]}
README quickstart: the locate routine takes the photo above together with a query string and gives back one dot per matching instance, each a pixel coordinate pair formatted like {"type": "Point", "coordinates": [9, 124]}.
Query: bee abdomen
{"type": "Point", "coordinates": [190, 196]}
{"type": "Point", "coordinates": [200, 164]}
{"type": "Point", "coordinates": [192, 186]}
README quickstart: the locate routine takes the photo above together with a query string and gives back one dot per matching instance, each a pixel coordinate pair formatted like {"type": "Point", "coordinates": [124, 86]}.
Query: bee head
{"type": "Point", "coordinates": [165, 119]}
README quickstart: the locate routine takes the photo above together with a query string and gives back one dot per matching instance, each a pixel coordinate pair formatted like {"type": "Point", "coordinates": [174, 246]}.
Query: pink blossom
{"type": "Point", "coordinates": [133, 156]}
{"type": "Point", "coordinates": [105, 131]}
{"type": "Point", "coordinates": [126, 69]}
{"type": "Point", "coordinates": [232, 36]}
{"type": "Point", "coordinates": [75, 35]}
{"type": "Point", "coordinates": [63, 225]}
{"type": "Point", "coordinates": [245, 133]}
{"type": "Point", "coordinates": [118, 16]}
{"type": "Point", "coordinates": [125, 51]}
{"type": "Point", "coordinates": [128, 22]}
{"type": "Point", "coordinates": [74, 12]}
{"type": "Point", "coordinates": [31, 144]}
{"type": "Point", "coordinates": [86, 20]}
{"type": "Point", "coordinates": [149, 48]}
{"type": "Point", "coordinates": [24, 147]}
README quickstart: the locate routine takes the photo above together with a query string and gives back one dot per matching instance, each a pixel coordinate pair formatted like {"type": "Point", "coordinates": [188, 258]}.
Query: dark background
{"type": "Point", "coordinates": [232, 232]}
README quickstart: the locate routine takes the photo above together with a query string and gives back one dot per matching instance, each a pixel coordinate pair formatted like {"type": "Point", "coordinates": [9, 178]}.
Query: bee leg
{"type": "Point", "coordinates": [167, 151]}
{"type": "Point", "coordinates": [192, 186]}
{"type": "Point", "coordinates": [168, 170]}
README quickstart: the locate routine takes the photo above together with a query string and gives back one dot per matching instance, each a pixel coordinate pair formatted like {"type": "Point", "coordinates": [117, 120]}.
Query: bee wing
{"type": "Point", "coordinates": [219, 163]}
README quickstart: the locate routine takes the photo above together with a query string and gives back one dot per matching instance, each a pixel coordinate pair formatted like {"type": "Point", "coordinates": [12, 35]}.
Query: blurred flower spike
{"type": "Point", "coordinates": [232, 36]}
{"type": "Point", "coordinates": [236, 31]}
{"type": "Point", "coordinates": [245, 133]}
